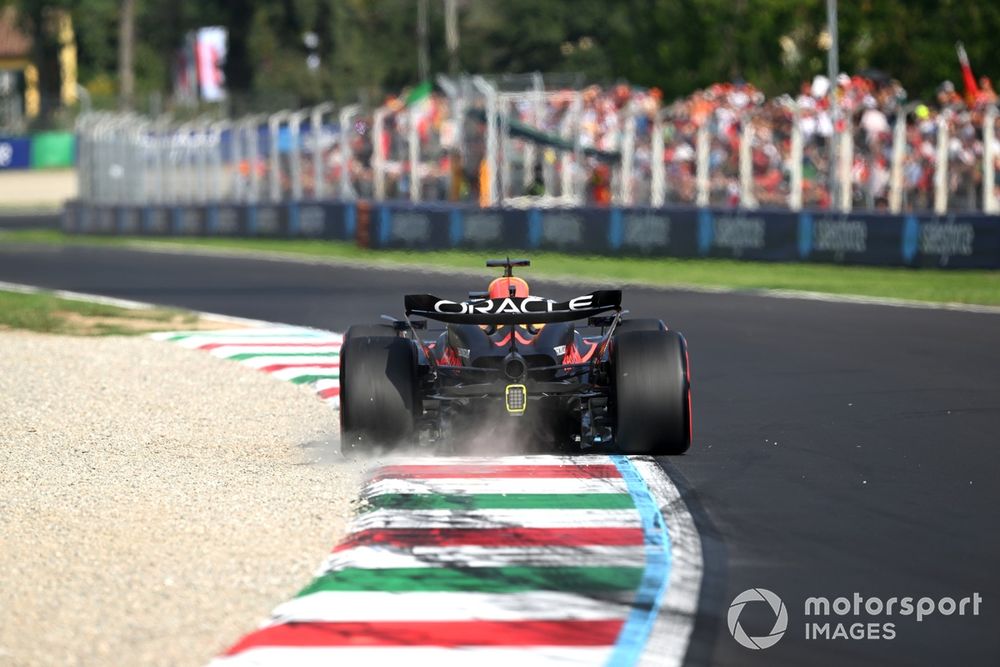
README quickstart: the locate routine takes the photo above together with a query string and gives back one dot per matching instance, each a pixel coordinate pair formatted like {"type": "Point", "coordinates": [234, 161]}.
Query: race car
{"type": "Point", "coordinates": [569, 374]}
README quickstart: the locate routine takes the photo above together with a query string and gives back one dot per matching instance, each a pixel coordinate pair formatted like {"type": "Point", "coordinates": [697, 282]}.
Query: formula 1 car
{"type": "Point", "coordinates": [611, 384]}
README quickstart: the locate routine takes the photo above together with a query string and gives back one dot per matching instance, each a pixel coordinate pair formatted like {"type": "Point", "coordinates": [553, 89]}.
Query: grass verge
{"type": "Point", "coordinates": [47, 313]}
{"type": "Point", "coordinates": [934, 285]}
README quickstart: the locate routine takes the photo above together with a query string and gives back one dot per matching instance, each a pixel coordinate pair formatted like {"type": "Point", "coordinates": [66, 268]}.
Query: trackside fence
{"type": "Point", "coordinates": [524, 164]}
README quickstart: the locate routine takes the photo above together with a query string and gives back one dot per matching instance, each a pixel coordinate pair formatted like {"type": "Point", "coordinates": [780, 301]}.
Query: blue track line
{"type": "Point", "coordinates": [632, 639]}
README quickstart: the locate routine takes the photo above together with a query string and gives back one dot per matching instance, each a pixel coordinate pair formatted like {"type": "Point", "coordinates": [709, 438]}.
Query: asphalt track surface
{"type": "Point", "coordinates": [839, 448]}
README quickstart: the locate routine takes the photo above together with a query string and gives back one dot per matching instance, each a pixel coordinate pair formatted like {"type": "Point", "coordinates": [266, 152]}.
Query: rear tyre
{"type": "Point", "coordinates": [640, 325]}
{"type": "Point", "coordinates": [651, 393]}
{"type": "Point", "coordinates": [362, 330]}
{"type": "Point", "coordinates": [379, 398]}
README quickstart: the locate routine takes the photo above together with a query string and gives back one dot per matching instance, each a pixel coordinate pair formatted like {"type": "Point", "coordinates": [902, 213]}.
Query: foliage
{"type": "Point", "coordinates": [367, 48]}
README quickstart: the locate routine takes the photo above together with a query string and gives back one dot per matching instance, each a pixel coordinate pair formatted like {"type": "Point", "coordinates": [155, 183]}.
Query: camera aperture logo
{"type": "Point", "coordinates": [857, 617]}
{"type": "Point", "coordinates": [780, 618]}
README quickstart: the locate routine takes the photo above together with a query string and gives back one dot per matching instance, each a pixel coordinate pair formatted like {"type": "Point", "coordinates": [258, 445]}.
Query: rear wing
{"type": "Point", "coordinates": [512, 310]}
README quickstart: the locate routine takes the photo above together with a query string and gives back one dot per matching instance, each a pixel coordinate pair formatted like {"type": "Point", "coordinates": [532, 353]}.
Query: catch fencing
{"type": "Point", "coordinates": [542, 146]}
{"type": "Point", "coordinates": [532, 165]}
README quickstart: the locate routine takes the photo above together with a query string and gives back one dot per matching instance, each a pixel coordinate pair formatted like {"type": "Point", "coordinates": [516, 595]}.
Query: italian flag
{"type": "Point", "coordinates": [418, 103]}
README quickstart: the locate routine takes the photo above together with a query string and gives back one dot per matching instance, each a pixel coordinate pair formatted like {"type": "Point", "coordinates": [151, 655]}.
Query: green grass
{"type": "Point", "coordinates": [47, 313]}
{"type": "Point", "coordinates": [935, 285]}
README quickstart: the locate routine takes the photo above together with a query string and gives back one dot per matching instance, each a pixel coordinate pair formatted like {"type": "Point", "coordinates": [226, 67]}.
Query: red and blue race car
{"type": "Point", "coordinates": [572, 374]}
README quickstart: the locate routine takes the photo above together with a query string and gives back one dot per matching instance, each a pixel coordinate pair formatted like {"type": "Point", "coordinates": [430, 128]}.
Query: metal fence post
{"type": "Point", "coordinates": [898, 154]}
{"type": "Point", "coordinates": [253, 158]}
{"type": "Point", "coordinates": [295, 155]}
{"type": "Point", "coordinates": [274, 159]}
{"type": "Point", "coordinates": [346, 117]}
{"type": "Point", "coordinates": [989, 161]}
{"type": "Point", "coordinates": [747, 198]}
{"type": "Point", "coordinates": [491, 137]}
{"type": "Point", "coordinates": [119, 143]}
{"type": "Point", "coordinates": [413, 145]}
{"type": "Point", "coordinates": [941, 166]}
{"type": "Point", "coordinates": [82, 156]}
{"type": "Point", "coordinates": [628, 155]}
{"type": "Point", "coordinates": [218, 128]}
{"type": "Point", "coordinates": [238, 187]}
{"type": "Point", "coordinates": [316, 129]}
{"type": "Point", "coordinates": [795, 162]}
{"type": "Point", "coordinates": [507, 147]}
{"type": "Point", "coordinates": [658, 175]}
{"type": "Point", "coordinates": [140, 161]}
{"type": "Point", "coordinates": [189, 160]}
{"type": "Point", "coordinates": [702, 178]}
{"type": "Point", "coordinates": [572, 121]}
{"type": "Point", "coordinates": [378, 159]}
{"type": "Point", "coordinates": [202, 158]}
{"type": "Point", "coordinates": [845, 155]}
{"type": "Point", "coordinates": [156, 143]}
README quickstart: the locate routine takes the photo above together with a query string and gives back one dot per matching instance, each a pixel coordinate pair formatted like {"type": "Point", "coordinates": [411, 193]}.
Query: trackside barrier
{"type": "Point", "coordinates": [969, 240]}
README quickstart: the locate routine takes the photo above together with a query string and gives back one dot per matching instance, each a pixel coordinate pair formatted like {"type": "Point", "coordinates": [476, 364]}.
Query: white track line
{"type": "Point", "coordinates": [526, 460]}
{"type": "Point", "coordinates": [503, 485]}
{"type": "Point", "coordinates": [671, 633]}
{"type": "Point", "coordinates": [375, 606]}
{"type": "Point", "coordinates": [256, 336]}
{"type": "Point", "coordinates": [376, 557]}
{"type": "Point", "coordinates": [230, 350]}
{"type": "Point", "coordinates": [197, 337]}
{"type": "Point", "coordinates": [264, 362]}
{"type": "Point", "coordinates": [522, 518]}
{"type": "Point", "coordinates": [290, 374]}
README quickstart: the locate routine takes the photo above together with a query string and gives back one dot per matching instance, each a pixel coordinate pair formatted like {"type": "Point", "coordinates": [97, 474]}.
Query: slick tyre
{"type": "Point", "coordinates": [651, 393]}
{"type": "Point", "coordinates": [363, 330]}
{"type": "Point", "coordinates": [379, 398]}
{"type": "Point", "coordinates": [639, 325]}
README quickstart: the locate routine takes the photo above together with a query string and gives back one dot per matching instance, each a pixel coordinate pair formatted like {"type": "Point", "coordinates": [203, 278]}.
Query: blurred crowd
{"type": "Point", "coordinates": [592, 127]}
{"type": "Point", "coordinates": [869, 105]}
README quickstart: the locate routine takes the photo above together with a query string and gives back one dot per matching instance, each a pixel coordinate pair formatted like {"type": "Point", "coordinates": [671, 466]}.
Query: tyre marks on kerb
{"type": "Point", "coordinates": [534, 560]}
{"type": "Point", "coordinates": [470, 561]}
{"type": "Point", "coordinates": [293, 354]}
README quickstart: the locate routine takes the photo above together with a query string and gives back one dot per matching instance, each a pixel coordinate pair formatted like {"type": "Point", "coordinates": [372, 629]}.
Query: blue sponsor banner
{"type": "Point", "coordinates": [970, 241]}
{"type": "Point", "coordinates": [849, 238]}
{"type": "Point", "coordinates": [15, 152]}
{"type": "Point", "coordinates": [226, 220]}
{"type": "Point", "coordinates": [653, 232]}
{"type": "Point", "coordinates": [403, 225]}
{"type": "Point", "coordinates": [573, 230]}
{"type": "Point", "coordinates": [877, 239]}
{"type": "Point", "coordinates": [333, 221]}
{"type": "Point", "coordinates": [188, 220]}
{"type": "Point", "coordinates": [157, 221]}
{"type": "Point", "coordinates": [129, 220]}
{"type": "Point", "coordinates": [268, 221]}
{"type": "Point", "coordinates": [499, 229]}
{"type": "Point", "coordinates": [748, 234]}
